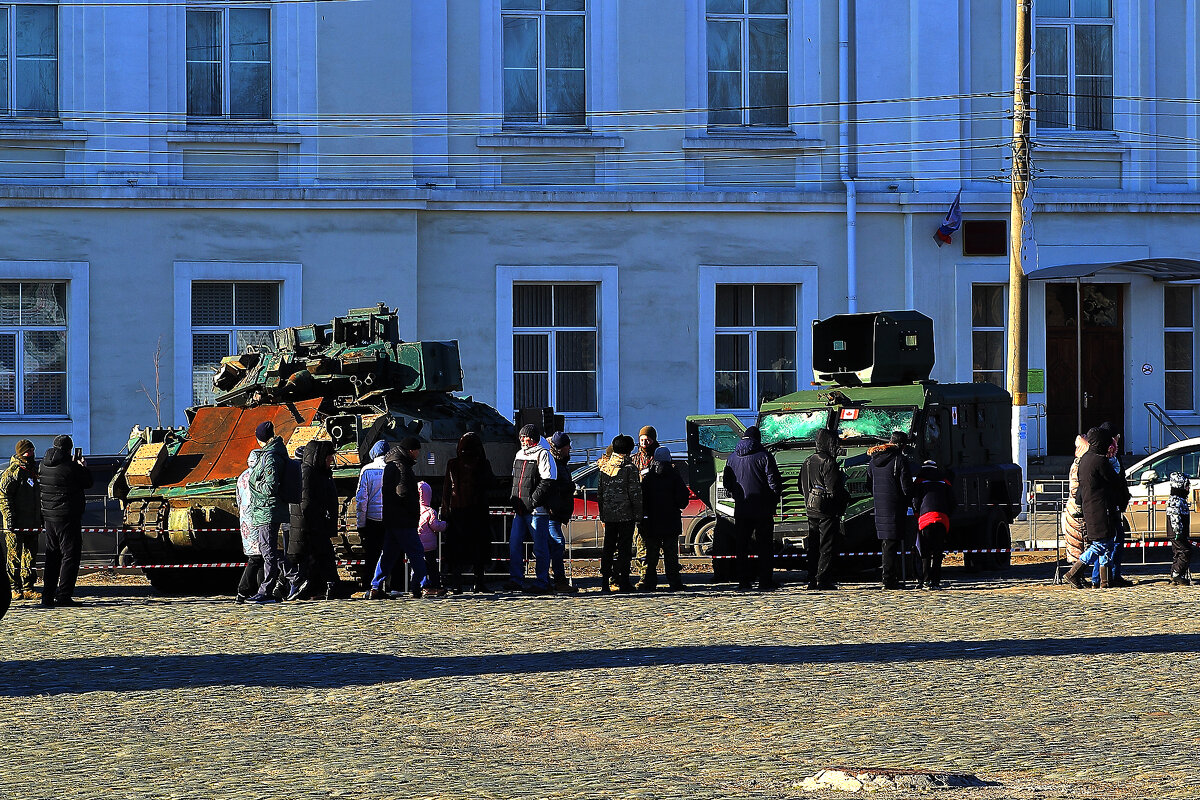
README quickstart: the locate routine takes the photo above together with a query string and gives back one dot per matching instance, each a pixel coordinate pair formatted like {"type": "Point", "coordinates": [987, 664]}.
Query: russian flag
{"type": "Point", "coordinates": [950, 223]}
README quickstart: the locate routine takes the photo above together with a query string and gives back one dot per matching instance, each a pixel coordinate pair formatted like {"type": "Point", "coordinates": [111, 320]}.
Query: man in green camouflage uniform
{"type": "Point", "coordinates": [21, 516]}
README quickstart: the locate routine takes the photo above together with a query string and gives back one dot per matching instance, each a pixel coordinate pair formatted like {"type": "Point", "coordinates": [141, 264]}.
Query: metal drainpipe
{"type": "Point", "coordinates": [844, 155]}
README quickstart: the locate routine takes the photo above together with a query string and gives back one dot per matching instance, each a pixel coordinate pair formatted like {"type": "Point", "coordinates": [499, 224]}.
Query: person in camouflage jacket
{"type": "Point", "coordinates": [20, 512]}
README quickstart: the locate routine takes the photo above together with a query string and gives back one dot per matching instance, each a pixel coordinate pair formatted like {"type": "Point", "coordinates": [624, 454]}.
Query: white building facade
{"type": "Point", "coordinates": [629, 210]}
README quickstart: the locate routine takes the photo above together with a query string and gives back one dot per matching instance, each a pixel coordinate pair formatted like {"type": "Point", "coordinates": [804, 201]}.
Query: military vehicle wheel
{"type": "Point", "coordinates": [1000, 538]}
{"type": "Point", "coordinates": [701, 538]}
{"type": "Point", "coordinates": [173, 580]}
{"type": "Point", "coordinates": [724, 569]}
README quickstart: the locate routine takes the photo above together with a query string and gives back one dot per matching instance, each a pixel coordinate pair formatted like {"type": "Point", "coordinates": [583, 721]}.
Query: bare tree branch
{"type": "Point", "coordinates": [156, 400]}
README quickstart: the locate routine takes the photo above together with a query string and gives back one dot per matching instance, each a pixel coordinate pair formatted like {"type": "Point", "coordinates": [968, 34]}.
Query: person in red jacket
{"type": "Point", "coordinates": [933, 501]}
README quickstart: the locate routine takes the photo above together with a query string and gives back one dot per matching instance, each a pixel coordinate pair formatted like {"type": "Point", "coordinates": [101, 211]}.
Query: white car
{"type": "Point", "coordinates": [1153, 473]}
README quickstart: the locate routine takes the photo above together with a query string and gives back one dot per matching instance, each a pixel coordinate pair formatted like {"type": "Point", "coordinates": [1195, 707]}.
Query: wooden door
{"type": "Point", "coordinates": [1103, 340]}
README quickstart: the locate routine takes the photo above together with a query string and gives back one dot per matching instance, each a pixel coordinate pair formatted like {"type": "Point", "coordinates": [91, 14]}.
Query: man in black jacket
{"type": "Point", "coordinates": [401, 517]}
{"type": "Point", "coordinates": [1102, 495]}
{"type": "Point", "coordinates": [823, 487]}
{"type": "Point", "coordinates": [64, 479]}
{"type": "Point", "coordinates": [752, 479]}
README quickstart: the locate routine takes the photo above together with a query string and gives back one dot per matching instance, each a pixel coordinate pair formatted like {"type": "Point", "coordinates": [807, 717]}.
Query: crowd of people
{"type": "Point", "coordinates": [289, 511]}
{"type": "Point", "coordinates": [640, 492]}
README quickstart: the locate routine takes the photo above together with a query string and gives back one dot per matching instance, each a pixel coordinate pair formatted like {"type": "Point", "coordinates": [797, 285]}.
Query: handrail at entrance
{"type": "Point", "coordinates": [1166, 423]}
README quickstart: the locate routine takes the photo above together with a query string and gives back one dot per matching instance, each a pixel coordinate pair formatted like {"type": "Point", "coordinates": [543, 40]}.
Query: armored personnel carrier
{"type": "Point", "coordinates": [872, 377]}
{"type": "Point", "coordinates": [353, 382]}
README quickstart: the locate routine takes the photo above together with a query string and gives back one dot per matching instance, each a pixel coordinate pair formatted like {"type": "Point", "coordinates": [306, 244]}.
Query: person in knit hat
{"type": "Point", "coordinates": [64, 480]}
{"type": "Point", "coordinates": [22, 517]}
{"type": "Point", "coordinates": [620, 500]}
{"type": "Point", "coordinates": [664, 496]}
{"type": "Point", "coordinates": [369, 507]}
{"type": "Point", "coordinates": [533, 476]}
{"type": "Point", "coordinates": [643, 461]}
{"type": "Point", "coordinates": [560, 505]}
{"type": "Point", "coordinates": [933, 502]}
{"type": "Point", "coordinates": [269, 512]}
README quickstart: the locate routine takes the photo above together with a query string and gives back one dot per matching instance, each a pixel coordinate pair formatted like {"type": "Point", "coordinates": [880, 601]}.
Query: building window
{"type": "Point", "coordinates": [555, 347]}
{"type": "Point", "coordinates": [545, 73]}
{"type": "Point", "coordinates": [1074, 60]}
{"type": "Point", "coordinates": [1178, 347]}
{"type": "Point", "coordinates": [755, 344]}
{"type": "Point", "coordinates": [988, 303]}
{"type": "Point", "coordinates": [227, 318]}
{"type": "Point", "coordinates": [33, 349]}
{"type": "Point", "coordinates": [229, 62]}
{"type": "Point", "coordinates": [29, 60]}
{"type": "Point", "coordinates": [747, 43]}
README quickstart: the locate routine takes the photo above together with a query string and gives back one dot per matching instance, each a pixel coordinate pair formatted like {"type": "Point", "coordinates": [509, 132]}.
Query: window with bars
{"type": "Point", "coordinates": [29, 60]}
{"type": "Point", "coordinates": [228, 317]}
{"type": "Point", "coordinates": [229, 62]}
{"type": "Point", "coordinates": [556, 347]}
{"type": "Point", "coordinates": [1073, 57]}
{"type": "Point", "coordinates": [755, 344]}
{"type": "Point", "coordinates": [1179, 332]}
{"type": "Point", "coordinates": [544, 62]}
{"type": "Point", "coordinates": [988, 314]}
{"type": "Point", "coordinates": [33, 349]}
{"type": "Point", "coordinates": [747, 44]}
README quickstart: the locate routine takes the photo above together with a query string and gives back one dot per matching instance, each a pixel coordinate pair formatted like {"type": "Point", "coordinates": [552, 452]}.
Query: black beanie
{"type": "Point", "coordinates": [623, 444]}
{"type": "Point", "coordinates": [410, 443]}
{"type": "Point", "coordinates": [63, 443]}
{"type": "Point", "coordinates": [531, 431]}
{"type": "Point", "coordinates": [265, 431]}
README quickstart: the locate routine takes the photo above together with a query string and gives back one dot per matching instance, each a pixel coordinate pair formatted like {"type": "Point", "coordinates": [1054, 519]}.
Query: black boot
{"type": "Point", "coordinates": [1073, 577]}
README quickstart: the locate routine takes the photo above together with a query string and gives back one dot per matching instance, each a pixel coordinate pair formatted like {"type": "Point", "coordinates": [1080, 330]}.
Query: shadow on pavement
{"type": "Point", "coordinates": [55, 676]}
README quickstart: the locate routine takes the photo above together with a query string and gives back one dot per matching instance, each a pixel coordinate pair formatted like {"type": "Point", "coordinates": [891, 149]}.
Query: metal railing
{"type": "Point", "coordinates": [1166, 424]}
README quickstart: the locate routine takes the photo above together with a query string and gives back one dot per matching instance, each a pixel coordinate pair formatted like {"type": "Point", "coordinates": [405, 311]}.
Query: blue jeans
{"type": "Point", "coordinates": [1114, 566]}
{"type": "Point", "coordinates": [537, 528]}
{"type": "Point", "coordinates": [399, 542]}
{"type": "Point", "coordinates": [1102, 550]}
{"type": "Point", "coordinates": [558, 548]}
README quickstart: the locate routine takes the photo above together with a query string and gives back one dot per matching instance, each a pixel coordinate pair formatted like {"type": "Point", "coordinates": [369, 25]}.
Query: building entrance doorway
{"type": "Point", "coordinates": [1091, 321]}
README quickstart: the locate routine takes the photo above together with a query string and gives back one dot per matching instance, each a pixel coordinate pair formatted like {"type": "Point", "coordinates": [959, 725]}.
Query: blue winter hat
{"type": "Point", "coordinates": [662, 455]}
{"type": "Point", "coordinates": [378, 449]}
{"type": "Point", "coordinates": [265, 431]}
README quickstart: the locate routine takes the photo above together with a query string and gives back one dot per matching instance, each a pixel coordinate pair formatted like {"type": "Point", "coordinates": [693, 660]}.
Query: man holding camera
{"type": "Point", "coordinates": [64, 478]}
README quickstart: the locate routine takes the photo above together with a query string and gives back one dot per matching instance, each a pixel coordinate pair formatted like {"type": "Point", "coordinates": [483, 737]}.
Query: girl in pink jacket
{"type": "Point", "coordinates": [428, 529]}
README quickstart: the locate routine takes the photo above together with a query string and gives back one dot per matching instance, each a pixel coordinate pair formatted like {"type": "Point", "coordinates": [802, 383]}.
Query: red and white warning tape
{"type": "Point", "coordinates": [213, 565]}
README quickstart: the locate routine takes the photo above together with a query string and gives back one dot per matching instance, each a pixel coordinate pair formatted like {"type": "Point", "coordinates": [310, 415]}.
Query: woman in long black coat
{"type": "Point", "coordinates": [890, 480]}
{"type": "Point", "coordinates": [317, 520]}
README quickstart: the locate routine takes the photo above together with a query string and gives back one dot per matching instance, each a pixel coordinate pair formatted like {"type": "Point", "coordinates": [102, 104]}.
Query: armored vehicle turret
{"type": "Point", "coordinates": [871, 376]}
{"type": "Point", "coordinates": [353, 382]}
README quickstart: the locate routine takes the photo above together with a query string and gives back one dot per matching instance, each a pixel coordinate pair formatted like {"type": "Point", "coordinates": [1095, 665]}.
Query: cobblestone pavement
{"type": "Point", "coordinates": [1044, 691]}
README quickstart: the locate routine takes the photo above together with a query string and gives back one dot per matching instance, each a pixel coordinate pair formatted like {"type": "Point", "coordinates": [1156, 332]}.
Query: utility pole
{"type": "Point", "coordinates": [1018, 285]}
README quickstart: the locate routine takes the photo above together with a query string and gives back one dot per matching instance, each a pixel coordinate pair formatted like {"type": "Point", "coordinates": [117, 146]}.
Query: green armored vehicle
{"type": "Point", "coordinates": [352, 382]}
{"type": "Point", "coordinates": [872, 377]}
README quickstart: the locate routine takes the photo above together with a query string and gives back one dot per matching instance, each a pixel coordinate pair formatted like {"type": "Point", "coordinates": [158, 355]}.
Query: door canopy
{"type": "Point", "coordinates": [1160, 269]}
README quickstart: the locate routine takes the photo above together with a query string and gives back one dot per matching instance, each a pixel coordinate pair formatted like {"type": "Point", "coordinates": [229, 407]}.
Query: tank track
{"type": "Point", "coordinates": [347, 544]}
{"type": "Point", "coordinates": [146, 538]}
